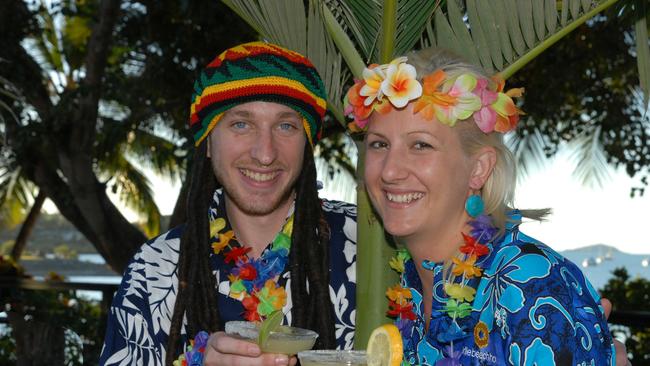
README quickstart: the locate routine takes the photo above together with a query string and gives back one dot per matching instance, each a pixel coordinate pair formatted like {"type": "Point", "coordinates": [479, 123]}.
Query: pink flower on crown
{"type": "Point", "coordinates": [466, 102]}
{"type": "Point", "coordinates": [401, 85]}
{"type": "Point", "coordinates": [486, 117]}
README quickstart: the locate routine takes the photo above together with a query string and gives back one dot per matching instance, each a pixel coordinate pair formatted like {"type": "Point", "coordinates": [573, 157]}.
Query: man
{"type": "Point", "coordinates": [257, 238]}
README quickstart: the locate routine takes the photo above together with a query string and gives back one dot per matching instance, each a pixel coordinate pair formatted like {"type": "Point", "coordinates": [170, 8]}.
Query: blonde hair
{"type": "Point", "coordinates": [499, 189]}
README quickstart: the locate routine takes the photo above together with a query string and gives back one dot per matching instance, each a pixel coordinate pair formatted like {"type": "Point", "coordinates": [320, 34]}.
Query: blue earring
{"type": "Point", "coordinates": [474, 205]}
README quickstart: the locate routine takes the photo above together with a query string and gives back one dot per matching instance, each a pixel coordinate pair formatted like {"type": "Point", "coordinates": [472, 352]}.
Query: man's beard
{"type": "Point", "coordinates": [256, 205]}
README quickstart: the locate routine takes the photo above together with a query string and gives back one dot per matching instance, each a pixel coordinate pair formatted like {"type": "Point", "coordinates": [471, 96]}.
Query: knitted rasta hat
{"type": "Point", "coordinates": [258, 71]}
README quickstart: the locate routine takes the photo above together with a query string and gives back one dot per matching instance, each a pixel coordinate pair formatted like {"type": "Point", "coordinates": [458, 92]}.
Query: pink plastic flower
{"type": "Point", "coordinates": [486, 117]}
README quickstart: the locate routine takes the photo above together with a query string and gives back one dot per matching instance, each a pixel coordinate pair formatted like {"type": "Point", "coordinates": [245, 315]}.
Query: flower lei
{"type": "Point", "coordinates": [440, 96]}
{"type": "Point", "coordinates": [194, 354]}
{"type": "Point", "coordinates": [459, 293]}
{"type": "Point", "coordinates": [254, 281]}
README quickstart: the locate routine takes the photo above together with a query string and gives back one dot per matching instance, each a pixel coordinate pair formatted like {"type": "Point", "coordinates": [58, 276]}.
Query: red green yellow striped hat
{"type": "Point", "coordinates": [258, 71]}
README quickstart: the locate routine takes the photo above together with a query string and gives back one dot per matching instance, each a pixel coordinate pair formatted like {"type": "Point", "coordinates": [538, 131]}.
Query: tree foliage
{"type": "Point", "coordinates": [584, 91]}
{"type": "Point", "coordinates": [104, 91]}
{"type": "Point", "coordinates": [632, 294]}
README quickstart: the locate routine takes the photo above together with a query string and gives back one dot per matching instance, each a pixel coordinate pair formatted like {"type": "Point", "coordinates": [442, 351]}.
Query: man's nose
{"type": "Point", "coordinates": [264, 149]}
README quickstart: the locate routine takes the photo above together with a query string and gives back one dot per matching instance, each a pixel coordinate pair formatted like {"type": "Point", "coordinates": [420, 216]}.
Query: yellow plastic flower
{"type": "Point", "coordinates": [399, 294]}
{"type": "Point", "coordinates": [466, 267]}
{"type": "Point", "coordinates": [460, 293]}
{"type": "Point", "coordinates": [288, 227]}
{"type": "Point", "coordinates": [224, 240]}
{"type": "Point", "coordinates": [401, 85]}
{"type": "Point", "coordinates": [216, 226]}
{"type": "Point", "coordinates": [466, 102]}
{"type": "Point", "coordinates": [396, 264]}
{"type": "Point", "coordinates": [373, 76]}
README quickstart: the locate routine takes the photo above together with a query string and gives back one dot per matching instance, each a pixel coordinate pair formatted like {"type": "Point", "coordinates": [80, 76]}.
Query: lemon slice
{"type": "Point", "coordinates": [385, 346]}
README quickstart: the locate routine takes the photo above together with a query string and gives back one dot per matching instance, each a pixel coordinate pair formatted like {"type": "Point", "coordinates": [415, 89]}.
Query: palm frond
{"type": "Point", "coordinates": [8, 90]}
{"type": "Point", "coordinates": [412, 18]}
{"type": "Point", "coordinates": [363, 20]}
{"type": "Point", "coordinates": [528, 151]}
{"type": "Point", "coordinates": [589, 155]}
{"type": "Point", "coordinates": [133, 189]}
{"type": "Point", "coordinates": [156, 153]}
{"type": "Point", "coordinates": [305, 33]}
{"type": "Point", "coordinates": [643, 48]}
{"type": "Point", "coordinates": [504, 35]}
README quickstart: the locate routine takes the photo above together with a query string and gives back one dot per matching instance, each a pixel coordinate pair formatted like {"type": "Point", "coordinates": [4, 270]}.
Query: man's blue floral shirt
{"type": "Point", "coordinates": [140, 316]}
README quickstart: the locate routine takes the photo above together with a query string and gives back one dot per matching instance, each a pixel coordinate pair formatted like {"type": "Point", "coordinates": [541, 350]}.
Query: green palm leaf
{"type": "Point", "coordinates": [133, 189]}
{"type": "Point", "coordinates": [528, 151]}
{"type": "Point", "coordinates": [503, 35]}
{"type": "Point", "coordinates": [591, 163]}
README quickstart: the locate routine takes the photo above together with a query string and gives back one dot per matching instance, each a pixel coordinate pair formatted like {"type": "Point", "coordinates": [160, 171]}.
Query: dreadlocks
{"type": "Point", "coordinates": [308, 259]}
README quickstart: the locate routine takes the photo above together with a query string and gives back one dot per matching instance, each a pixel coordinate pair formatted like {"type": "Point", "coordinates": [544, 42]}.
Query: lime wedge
{"type": "Point", "coordinates": [269, 325]}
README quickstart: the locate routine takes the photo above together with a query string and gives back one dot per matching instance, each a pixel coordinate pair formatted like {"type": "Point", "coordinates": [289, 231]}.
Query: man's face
{"type": "Point", "coordinates": [257, 153]}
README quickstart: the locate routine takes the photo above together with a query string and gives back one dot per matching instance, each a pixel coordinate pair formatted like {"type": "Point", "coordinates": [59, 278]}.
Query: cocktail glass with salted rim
{"type": "Point", "coordinates": [333, 358]}
{"type": "Point", "coordinates": [285, 339]}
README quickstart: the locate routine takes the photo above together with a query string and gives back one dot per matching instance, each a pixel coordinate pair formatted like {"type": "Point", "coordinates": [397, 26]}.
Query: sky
{"type": "Point", "coordinates": [581, 215]}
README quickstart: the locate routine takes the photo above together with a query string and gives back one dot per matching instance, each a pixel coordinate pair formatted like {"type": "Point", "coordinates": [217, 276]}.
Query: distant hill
{"type": "Point", "coordinates": [598, 261]}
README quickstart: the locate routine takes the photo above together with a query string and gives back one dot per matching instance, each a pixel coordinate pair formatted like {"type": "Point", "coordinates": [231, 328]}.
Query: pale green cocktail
{"type": "Point", "coordinates": [332, 358]}
{"type": "Point", "coordinates": [286, 340]}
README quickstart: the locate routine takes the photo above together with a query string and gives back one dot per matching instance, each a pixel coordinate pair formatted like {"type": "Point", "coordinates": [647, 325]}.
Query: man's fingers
{"type": "Point", "coordinates": [223, 343]}
{"type": "Point", "coordinates": [225, 350]}
{"type": "Point", "coordinates": [607, 306]}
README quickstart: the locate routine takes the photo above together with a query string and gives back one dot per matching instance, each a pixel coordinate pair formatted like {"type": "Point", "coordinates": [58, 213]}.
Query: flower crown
{"type": "Point", "coordinates": [447, 98]}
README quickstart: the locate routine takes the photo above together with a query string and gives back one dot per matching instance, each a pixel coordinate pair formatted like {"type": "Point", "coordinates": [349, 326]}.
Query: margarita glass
{"type": "Point", "coordinates": [332, 358]}
{"type": "Point", "coordinates": [285, 340]}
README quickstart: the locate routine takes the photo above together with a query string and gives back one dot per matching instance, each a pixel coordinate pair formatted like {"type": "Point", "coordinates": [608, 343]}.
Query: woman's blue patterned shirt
{"type": "Point", "coordinates": [538, 308]}
{"type": "Point", "coordinates": [140, 316]}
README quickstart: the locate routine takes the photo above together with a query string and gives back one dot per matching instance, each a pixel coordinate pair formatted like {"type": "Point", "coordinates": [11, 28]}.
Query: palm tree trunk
{"type": "Point", "coordinates": [28, 226]}
{"type": "Point", "coordinates": [373, 272]}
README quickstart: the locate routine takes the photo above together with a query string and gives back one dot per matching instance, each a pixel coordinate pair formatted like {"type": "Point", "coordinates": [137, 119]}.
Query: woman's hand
{"type": "Point", "coordinates": [225, 350]}
{"type": "Point", "coordinates": [621, 351]}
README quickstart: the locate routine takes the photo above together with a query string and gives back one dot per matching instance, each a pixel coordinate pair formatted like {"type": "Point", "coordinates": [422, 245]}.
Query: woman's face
{"type": "Point", "coordinates": [416, 173]}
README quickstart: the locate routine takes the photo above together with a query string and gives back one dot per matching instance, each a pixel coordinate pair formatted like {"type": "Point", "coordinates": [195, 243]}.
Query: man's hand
{"type": "Point", "coordinates": [225, 350]}
{"type": "Point", "coordinates": [621, 351]}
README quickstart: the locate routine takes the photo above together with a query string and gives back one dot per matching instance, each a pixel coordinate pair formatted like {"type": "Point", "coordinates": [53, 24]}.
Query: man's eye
{"type": "Point", "coordinates": [286, 126]}
{"type": "Point", "coordinates": [239, 125]}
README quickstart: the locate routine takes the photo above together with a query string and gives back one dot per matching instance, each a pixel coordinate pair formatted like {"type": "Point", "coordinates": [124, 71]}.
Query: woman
{"type": "Point", "coordinates": [474, 289]}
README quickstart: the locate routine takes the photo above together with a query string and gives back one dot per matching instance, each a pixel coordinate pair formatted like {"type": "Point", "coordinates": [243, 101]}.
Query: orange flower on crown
{"type": "Point", "coordinates": [507, 114]}
{"type": "Point", "coordinates": [432, 98]}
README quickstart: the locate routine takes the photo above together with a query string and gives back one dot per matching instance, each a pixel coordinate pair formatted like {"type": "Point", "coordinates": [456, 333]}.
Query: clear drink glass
{"type": "Point", "coordinates": [332, 358]}
{"type": "Point", "coordinates": [285, 340]}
